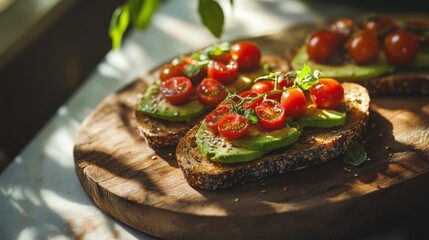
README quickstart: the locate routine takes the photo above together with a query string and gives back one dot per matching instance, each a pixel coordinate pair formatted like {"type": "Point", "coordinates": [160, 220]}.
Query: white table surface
{"type": "Point", "coordinates": [40, 194]}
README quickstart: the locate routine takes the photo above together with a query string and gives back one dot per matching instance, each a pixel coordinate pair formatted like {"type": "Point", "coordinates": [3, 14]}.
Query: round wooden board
{"type": "Point", "coordinates": [144, 187]}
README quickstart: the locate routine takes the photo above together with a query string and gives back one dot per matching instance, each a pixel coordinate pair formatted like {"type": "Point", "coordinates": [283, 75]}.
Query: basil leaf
{"type": "Point", "coordinates": [211, 15]}
{"type": "Point", "coordinates": [217, 49]}
{"type": "Point", "coordinates": [251, 115]}
{"type": "Point", "coordinates": [119, 24]}
{"type": "Point", "coordinates": [306, 78]}
{"type": "Point", "coordinates": [143, 11]}
{"type": "Point", "coordinates": [192, 69]}
{"type": "Point", "coordinates": [356, 155]}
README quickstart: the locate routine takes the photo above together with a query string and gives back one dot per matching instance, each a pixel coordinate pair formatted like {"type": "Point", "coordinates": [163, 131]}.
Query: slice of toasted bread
{"type": "Point", "coordinates": [162, 133]}
{"type": "Point", "coordinates": [315, 146]}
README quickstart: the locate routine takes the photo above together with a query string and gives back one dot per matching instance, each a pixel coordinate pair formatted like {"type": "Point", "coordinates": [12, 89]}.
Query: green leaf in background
{"type": "Point", "coordinates": [356, 155]}
{"type": "Point", "coordinates": [142, 12]}
{"type": "Point", "coordinates": [211, 15]}
{"type": "Point", "coordinates": [119, 24]}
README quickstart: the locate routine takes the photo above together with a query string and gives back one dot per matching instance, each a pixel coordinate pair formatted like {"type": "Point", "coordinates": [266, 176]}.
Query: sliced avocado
{"type": "Point", "coordinates": [322, 118]}
{"type": "Point", "coordinates": [258, 140]}
{"type": "Point", "coordinates": [347, 72]}
{"type": "Point", "coordinates": [219, 150]}
{"type": "Point", "coordinates": [154, 105]}
{"type": "Point", "coordinates": [422, 60]}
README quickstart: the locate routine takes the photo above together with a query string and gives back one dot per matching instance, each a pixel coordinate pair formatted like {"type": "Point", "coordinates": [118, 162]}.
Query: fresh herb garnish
{"type": "Point", "coordinates": [305, 78]}
{"type": "Point", "coordinates": [356, 155]}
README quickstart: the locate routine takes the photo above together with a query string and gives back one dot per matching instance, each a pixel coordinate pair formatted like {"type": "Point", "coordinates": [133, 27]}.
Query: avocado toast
{"type": "Point", "coordinates": [385, 55]}
{"type": "Point", "coordinates": [211, 162]}
{"type": "Point", "coordinates": [163, 124]}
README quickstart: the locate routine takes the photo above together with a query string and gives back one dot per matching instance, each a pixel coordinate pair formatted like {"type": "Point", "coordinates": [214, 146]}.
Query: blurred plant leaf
{"type": "Point", "coordinates": [211, 15]}
{"type": "Point", "coordinates": [119, 24]}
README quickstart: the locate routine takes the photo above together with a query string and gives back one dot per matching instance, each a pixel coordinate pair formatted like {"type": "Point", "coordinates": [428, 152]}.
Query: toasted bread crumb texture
{"type": "Point", "coordinates": [315, 146]}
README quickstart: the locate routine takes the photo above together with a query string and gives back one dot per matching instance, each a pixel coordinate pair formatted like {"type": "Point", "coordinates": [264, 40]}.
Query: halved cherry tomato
{"type": "Point", "coordinates": [223, 68]}
{"type": "Point", "coordinates": [251, 94]}
{"type": "Point", "coordinates": [271, 114]}
{"type": "Point", "coordinates": [176, 90]}
{"type": "Point", "coordinates": [328, 93]}
{"type": "Point", "coordinates": [401, 48]}
{"type": "Point", "coordinates": [211, 92]}
{"type": "Point", "coordinates": [265, 86]}
{"type": "Point", "coordinates": [232, 126]}
{"type": "Point", "coordinates": [212, 119]}
{"type": "Point", "coordinates": [322, 45]}
{"type": "Point", "coordinates": [168, 71]}
{"type": "Point", "coordinates": [363, 48]}
{"type": "Point", "coordinates": [247, 54]}
{"type": "Point", "coordinates": [343, 27]}
{"type": "Point", "coordinates": [294, 102]}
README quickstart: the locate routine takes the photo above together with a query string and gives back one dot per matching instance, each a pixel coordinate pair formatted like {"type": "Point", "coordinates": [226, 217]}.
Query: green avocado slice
{"type": "Point", "coordinates": [258, 140]}
{"type": "Point", "coordinates": [322, 118]}
{"type": "Point", "coordinates": [154, 105]}
{"type": "Point", "coordinates": [347, 72]}
{"type": "Point", "coordinates": [219, 150]}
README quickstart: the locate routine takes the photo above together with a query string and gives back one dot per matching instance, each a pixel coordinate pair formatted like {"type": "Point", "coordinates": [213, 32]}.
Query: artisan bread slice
{"type": "Point", "coordinates": [163, 133]}
{"type": "Point", "coordinates": [314, 147]}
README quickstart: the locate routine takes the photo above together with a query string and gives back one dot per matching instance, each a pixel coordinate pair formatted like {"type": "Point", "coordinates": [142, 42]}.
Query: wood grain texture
{"type": "Point", "coordinates": [144, 187]}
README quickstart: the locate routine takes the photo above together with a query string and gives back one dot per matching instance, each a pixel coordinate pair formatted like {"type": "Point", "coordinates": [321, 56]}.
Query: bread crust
{"type": "Point", "coordinates": [315, 147]}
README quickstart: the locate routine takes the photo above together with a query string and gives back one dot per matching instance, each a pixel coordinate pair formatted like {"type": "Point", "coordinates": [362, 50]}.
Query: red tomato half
{"type": "Point", "coordinates": [223, 68]}
{"type": "Point", "coordinates": [176, 90]}
{"type": "Point", "coordinates": [265, 86]}
{"type": "Point", "coordinates": [211, 92]}
{"type": "Point", "coordinates": [401, 48]}
{"type": "Point", "coordinates": [247, 54]}
{"type": "Point", "coordinates": [169, 71]}
{"type": "Point", "coordinates": [322, 45]}
{"type": "Point", "coordinates": [212, 119]}
{"type": "Point", "coordinates": [294, 102]}
{"type": "Point", "coordinates": [250, 94]}
{"type": "Point", "coordinates": [363, 48]}
{"type": "Point", "coordinates": [328, 93]}
{"type": "Point", "coordinates": [232, 126]}
{"type": "Point", "coordinates": [271, 114]}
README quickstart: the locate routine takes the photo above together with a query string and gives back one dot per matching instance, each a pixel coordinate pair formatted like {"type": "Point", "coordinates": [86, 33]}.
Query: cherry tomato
{"type": "Point", "coordinates": [271, 114]}
{"type": "Point", "coordinates": [322, 45]}
{"type": "Point", "coordinates": [212, 119]}
{"type": "Point", "coordinates": [401, 48]}
{"type": "Point", "coordinates": [420, 30]}
{"type": "Point", "coordinates": [176, 90]}
{"type": "Point", "coordinates": [250, 94]}
{"type": "Point", "coordinates": [223, 68]}
{"type": "Point", "coordinates": [379, 25]}
{"type": "Point", "coordinates": [247, 54]}
{"type": "Point", "coordinates": [265, 86]}
{"type": "Point", "coordinates": [232, 126]}
{"type": "Point", "coordinates": [169, 71]}
{"type": "Point", "coordinates": [294, 102]}
{"type": "Point", "coordinates": [328, 93]}
{"type": "Point", "coordinates": [211, 92]}
{"type": "Point", "coordinates": [344, 27]}
{"type": "Point", "coordinates": [363, 48]}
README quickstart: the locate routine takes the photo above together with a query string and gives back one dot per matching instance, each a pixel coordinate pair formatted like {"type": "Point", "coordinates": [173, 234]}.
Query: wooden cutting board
{"type": "Point", "coordinates": [144, 188]}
